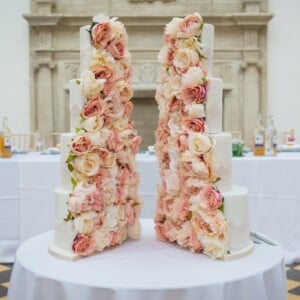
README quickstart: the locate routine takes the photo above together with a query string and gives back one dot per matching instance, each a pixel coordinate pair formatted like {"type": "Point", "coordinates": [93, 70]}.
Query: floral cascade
{"type": "Point", "coordinates": [189, 205]}
{"type": "Point", "coordinates": [104, 204]}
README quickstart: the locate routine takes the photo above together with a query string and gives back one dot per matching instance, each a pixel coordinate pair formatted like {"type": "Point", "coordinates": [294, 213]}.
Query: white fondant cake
{"type": "Point", "coordinates": [97, 205]}
{"type": "Point", "coordinates": [197, 206]}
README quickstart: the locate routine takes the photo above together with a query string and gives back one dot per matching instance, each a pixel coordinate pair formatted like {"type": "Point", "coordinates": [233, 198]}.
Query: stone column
{"type": "Point", "coordinates": [252, 84]}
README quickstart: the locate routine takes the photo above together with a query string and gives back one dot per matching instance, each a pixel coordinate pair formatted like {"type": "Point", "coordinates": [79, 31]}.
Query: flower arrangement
{"type": "Point", "coordinates": [189, 205]}
{"type": "Point", "coordinates": [104, 204]}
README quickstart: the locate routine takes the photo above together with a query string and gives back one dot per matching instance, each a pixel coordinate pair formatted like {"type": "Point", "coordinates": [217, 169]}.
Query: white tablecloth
{"type": "Point", "coordinates": [28, 181]}
{"type": "Point", "coordinates": [146, 269]}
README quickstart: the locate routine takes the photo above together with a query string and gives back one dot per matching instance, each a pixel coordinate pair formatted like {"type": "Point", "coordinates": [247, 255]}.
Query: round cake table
{"type": "Point", "coordinates": [146, 269]}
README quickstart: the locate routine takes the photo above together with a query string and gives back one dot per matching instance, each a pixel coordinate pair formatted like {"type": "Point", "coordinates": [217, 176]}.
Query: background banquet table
{"type": "Point", "coordinates": [28, 181]}
{"type": "Point", "coordinates": [157, 270]}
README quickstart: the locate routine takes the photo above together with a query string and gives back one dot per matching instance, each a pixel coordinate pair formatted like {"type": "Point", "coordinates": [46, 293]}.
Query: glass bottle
{"type": "Point", "coordinates": [259, 137]}
{"type": "Point", "coordinates": [5, 139]}
{"type": "Point", "coordinates": [271, 138]}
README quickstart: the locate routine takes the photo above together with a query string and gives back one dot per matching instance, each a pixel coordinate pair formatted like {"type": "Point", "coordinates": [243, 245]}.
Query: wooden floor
{"type": "Point", "coordinates": [292, 273]}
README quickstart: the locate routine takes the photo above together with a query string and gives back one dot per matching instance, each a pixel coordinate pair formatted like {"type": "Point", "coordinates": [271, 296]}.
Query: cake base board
{"type": "Point", "coordinates": [60, 253]}
{"type": "Point", "coordinates": [240, 253]}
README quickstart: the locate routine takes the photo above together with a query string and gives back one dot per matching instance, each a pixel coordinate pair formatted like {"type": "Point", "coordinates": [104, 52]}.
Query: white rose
{"type": "Point", "coordinates": [99, 138]}
{"type": "Point", "coordinates": [184, 58]}
{"type": "Point", "coordinates": [90, 85]}
{"type": "Point", "coordinates": [199, 143]}
{"type": "Point", "coordinates": [213, 247]}
{"type": "Point", "coordinates": [183, 234]}
{"type": "Point", "coordinates": [195, 110]}
{"type": "Point", "coordinates": [172, 28]}
{"type": "Point", "coordinates": [87, 164]}
{"type": "Point", "coordinates": [193, 77]}
{"type": "Point", "coordinates": [174, 155]}
{"type": "Point", "coordinates": [172, 181]}
{"type": "Point", "coordinates": [174, 125]}
{"type": "Point", "coordinates": [102, 238]}
{"type": "Point", "coordinates": [84, 223]}
{"type": "Point", "coordinates": [134, 230]}
{"type": "Point", "coordinates": [110, 220]}
{"type": "Point", "coordinates": [99, 56]}
{"type": "Point", "coordinates": [163, 55]}
{"type": "Point", "coordinates": [93, 124]}
{"type": "Point", "coordinates": [201, 168]}
{"type": "Point", "coordinates": [120, 124]}
{"type": "Point", "coordinates": [119, 31]}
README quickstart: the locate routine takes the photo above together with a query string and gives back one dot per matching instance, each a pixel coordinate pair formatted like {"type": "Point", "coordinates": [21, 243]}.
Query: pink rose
{"type": "Point", "coordinates": [115, 238]}
{"type": "Point", "coordinates": [128, 107]}
{"type": "Point", "coordinates": [193, 94]}
{"type": "Point", "coordinates": [182, 142]}
{"type": "Point", "coordinates": [161, 232]}
{"type": "Point", "coordinates": [124, 90]}
{"type": "Point", "coordinates": [120, 195]}
{"type": "Point", "coordinates": [113, 141]}
{"type": "Point", "coordinates": [94, 107]}
{"type": "Point", "coordinates": [210, 197]}
{"type": "Point", "coordinates": [174, 104]}
{"type": "Point", "coordinates": [193, 124]}
{"type": "Point", "coordinates": [101, 34]}
{"type": "Point", "coordinates": [194, 243]}
{"type": "Point", "coordinates": [101, 178]}
{"type": "Point", "coordinates": [117, 48]}
{"type": "Point", "coordinates": [103, 72]}
{"type": "Point", "coordinates": [135, 143]}
{"type": "Point", "coordinates": [130, 213]}
{"type": "Point", "coordinates": [81, 144]}
{"type": "Point", "coordinates": [84, 245]}
{"type": "Point", "coordinates": [190, 26]}
{"type": "Point", "coordinates": [163, 131]}
{"type": "Point", "coordinates": [108, 89]}
{"type": "Point", "coordinates": [123, 177]}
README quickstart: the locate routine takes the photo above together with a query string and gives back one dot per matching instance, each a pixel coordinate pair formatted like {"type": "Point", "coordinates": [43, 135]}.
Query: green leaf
{"type": "Point", "coordinates": [77, 129]}
{"type": "Point", "coordinates": [73, 181]}
{"type": "Point", "coordinates": [70, 158]}
{"type": "Point", "coordinates": [70, 167]}
{"type": "Point", "coordinates": [189, 217]}
{"type": "Point", "coordinates": [221, 208]}
{"type": "Point", "coordinates": [78, 81]}
{"type": "Point", "coordinates": [69, 217]}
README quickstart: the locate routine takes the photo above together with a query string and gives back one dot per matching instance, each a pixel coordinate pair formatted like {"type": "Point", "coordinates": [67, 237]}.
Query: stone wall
{"type": "Point", "coordinates": [239, 56]}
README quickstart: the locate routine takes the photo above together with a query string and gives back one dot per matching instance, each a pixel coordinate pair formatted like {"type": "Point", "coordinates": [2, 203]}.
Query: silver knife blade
{"type": "Point", "coordinates": [262, 238]}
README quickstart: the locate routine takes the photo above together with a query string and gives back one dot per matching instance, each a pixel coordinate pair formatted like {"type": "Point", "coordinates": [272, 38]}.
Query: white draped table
{"type": "Point", "coordinates": [146, 269]}
{"type": "Point", "coordinates": [27, 185]}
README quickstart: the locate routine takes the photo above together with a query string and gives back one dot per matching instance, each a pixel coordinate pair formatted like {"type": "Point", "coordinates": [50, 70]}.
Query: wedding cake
{"type": "Point", "coordinates": [197, 205]}
{"type": "Point", "coordinates": [97, 205]}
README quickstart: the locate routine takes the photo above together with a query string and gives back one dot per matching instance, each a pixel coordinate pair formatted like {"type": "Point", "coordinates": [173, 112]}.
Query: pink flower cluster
{"type": "Point", "coordinates": [104, 204]}
{"type": "Point", "coordinates": [189, 204]}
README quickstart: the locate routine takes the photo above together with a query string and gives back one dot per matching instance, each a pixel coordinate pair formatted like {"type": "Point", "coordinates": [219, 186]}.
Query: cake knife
{"type": "Point", "coordinates": [262, 238]}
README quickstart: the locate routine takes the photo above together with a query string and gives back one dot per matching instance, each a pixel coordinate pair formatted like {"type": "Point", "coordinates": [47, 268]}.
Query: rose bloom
{"type": "Point", "coordinates": [103, 72]}
{"type": "Point", "coordinates": [125, 91]}
{"type": "Point", "coordinates": [101, 237]}
{"type": "Point", "coordinates": [134, 230]}
{"type": "Point", "coordinates": [135, 142]}
{"type": "Point", "coordinates": [87, 164]}
{"type": "Point", "coordinates": [199, 143]}
{"type": "Point", "coordinates": [194, 243]}
{"type": "Point", "coordinates": [166, 55]}
{"type": "Point", "coordinates": [94, 107]}
{"type": "Point", "coordinates": [190, 26]}
{"type": "Point", "coordinates": [193, 94]}
{"type": "Point", "coordinates": [172, 29]}
{"type": "Point", "coordinates": [193, 124]}
{"type": "Point", "coordinates": [91, 86]}
{"type": "Point", "coordinates": [161, 232]}
{"type": "Point", "coordinates": [128, 107]}
{"type": "Point", "coordinates": [117, 48]}
{"type": "Point", "coordinates": [85, 223]}
{"type": "Point", "coordinates": [193, 77]}
{"type": "Point", "coordinates": [213, 247]}
{"type": "Point", "coordinates": [84, 245]}
{"type": "Point", "coordinates": [184, 59]}
{"type": "Point", "coordinates": [80, 144]}
{"type": "Point", "coordinates": [210, 197]}
{"type": "Point", "coordinates": [174, 104]}
{"type": "Point", "coordinates": [101, 34]}
{"type": "Point", "coordinates": [80, 198]}
{"type": "Point", "coordinates": [93, 124]}
{"type": "Point", "coordinates": [113, 141]}
{"type": "Point", "coordinates": [182, 142]}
